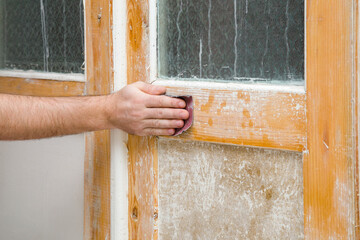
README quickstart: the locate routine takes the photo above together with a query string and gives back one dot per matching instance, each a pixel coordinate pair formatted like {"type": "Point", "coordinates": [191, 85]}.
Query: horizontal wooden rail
{"type": "Point", "coordinates": [258, 117]}
{"type": "Point", "coordinates": [41, 87]}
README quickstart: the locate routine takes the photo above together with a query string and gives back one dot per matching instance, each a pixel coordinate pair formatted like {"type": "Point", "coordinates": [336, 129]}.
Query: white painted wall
{"type": "Point", "coordinates": [42, 189]}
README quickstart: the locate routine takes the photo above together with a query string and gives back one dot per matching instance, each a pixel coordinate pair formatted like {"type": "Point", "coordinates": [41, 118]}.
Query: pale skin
{"type": "Point", "coordinates": [139, 109]}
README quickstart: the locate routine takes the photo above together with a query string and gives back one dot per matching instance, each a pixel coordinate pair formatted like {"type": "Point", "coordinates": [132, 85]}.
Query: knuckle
{"type": "Point", "coordinates": [161, 113]}
{"type": "Point", "coordinates": [148, 87]}
{"type": "Point", "coordinates": [139, 115]}
{"type": "Point", "coordinates": [157, 123]}
{"type": "Point", "coordinates": [175, 103]}
{"type": "Point", "coordinates": [152, 132]}
{"type": "Point", "coordinates": [139, 131]}
{"type": "Point", "coordinates": [162, 101]}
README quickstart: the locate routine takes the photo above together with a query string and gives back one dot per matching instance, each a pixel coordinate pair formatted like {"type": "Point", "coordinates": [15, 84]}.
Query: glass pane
{"type": "Point", "coordinates": [42, 35]}
{"type": "Point", "coordinates": [239, 40]}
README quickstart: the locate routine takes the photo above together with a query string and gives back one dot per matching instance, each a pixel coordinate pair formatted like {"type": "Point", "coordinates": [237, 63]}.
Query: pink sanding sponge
{"type": "Point", "coordinates": [190, 108]}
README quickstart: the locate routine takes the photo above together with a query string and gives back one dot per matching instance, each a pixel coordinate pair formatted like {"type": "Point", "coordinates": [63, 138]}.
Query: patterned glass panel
{"type": "Point", "coordinates": [237, 40]}
{"type": "Point", "coordinates": [42, 35]}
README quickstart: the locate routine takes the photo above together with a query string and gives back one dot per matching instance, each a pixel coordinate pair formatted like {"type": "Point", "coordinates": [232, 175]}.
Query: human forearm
{"type": "Point", "coordinates": [23, 117]}
{"type": "Point", "coordinates": [139, 109]}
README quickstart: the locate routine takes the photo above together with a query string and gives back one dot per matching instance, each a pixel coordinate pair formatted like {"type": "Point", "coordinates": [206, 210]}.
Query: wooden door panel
{"type": "Point", "coordinates": [214, 191]}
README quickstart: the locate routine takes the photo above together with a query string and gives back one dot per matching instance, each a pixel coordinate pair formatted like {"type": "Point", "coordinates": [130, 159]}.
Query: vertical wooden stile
{"type": "Point", "coordinates": [142, 150]}
{"type": "Point", "coordinates": [330, 159]}
{"type": "Point", "coordinates": [99, 75]}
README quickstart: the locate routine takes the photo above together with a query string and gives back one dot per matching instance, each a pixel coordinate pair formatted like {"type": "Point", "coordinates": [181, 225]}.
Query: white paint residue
{"type": "Point", "coordinates": [200, 58]}
{"type": "Point", "coordinates": [344, 207]}
{"type": "Point", "coordinates": [231, 86]}
{"type": "Point", "coordinates": [179, 30]}
{"type": "Point", "coordinates": [119, 158]}
{"type": "Point", "coordinates": [81, 16]}
{"type": "Point", "coordinates": [210, 191]}
{"type": "Point", "coordinates": [235, 40]}
{"type": "Point", "coordinates": [287, 40]}
{"type": "Point", "coordinates": [266, 40]}
{"type": "Point", "coordinates": [44, 36]}
{"type": "Point", "coordinates": [75, 77]}
{"type": "Point", "coordinates": [65, 33]}
{"type": "Point", "coordinates": [209, 33]}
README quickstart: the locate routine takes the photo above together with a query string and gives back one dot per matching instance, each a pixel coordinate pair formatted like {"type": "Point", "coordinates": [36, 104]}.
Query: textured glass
{"type": "Point", "coordinates": [244, 40]}
{"type": "Point", "coordinates": [42, 35]}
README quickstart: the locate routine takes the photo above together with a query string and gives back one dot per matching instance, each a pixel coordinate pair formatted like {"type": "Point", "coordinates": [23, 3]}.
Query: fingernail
{"type": "Point", "coordinates": [171, 131]}
{"type": "Point", "coordinates": [184, 115]}
{"type": "Point", "coordinates": [181, 104]}
{"type": "Point", "coordinates": [180, 124]}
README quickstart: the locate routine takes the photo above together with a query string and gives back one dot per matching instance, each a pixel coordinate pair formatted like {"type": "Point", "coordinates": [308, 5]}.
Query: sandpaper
{"type": "Point", "coordinates": [190, 108]}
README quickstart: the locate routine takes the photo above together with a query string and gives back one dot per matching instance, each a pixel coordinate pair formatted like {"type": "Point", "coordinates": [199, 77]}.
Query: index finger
{"type": "Point", "coordinates": [164, 102]}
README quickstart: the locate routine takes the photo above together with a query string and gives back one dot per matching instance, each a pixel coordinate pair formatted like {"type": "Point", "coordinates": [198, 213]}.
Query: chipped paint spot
{"type": "Point", "coordinates": [246, 113]}
{"type": "Point", "coordinates": [206, 107]}
{"type": "Point", "coordinates": [210, 122]}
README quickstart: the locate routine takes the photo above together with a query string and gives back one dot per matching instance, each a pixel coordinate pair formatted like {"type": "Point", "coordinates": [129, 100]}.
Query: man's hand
{"type": "Point", "coordinates": [139, 109]}
{"type": "Point", "coordinates": [143, 110]}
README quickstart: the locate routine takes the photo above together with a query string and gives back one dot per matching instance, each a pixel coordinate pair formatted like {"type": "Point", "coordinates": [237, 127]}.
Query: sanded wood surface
{"type": "Point", "coordinates": [142, 168]}
{"type": "Point", "coordinates": [356, 123]}
{"type": "Point", "coordinates": [99, 76]}
{"type": "Point", "coordinates": [260, 118]}
{"type": "Point", "coordinates": [329, 164]}
{"type": "Point", "coordinates": [40, 87]}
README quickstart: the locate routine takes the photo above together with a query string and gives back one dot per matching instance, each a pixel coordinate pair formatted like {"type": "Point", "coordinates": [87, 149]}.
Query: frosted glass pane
{"type": "Point", "coordinates": [238, 40]}
{"type": "Point", "coordinates": [42, 35]}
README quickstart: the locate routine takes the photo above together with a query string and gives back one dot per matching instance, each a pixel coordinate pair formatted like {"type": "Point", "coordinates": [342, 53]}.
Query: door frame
{"type": "Point", "coordinates": [326, 114]}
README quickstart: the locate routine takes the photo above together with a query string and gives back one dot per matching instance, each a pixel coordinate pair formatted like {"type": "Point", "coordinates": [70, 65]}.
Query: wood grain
{"type": "Point", "coordinates": [99, 76]}
{"type": "Point", "coordinates": [40, 87]}
{"type": "Point", "coordinates": [356, 124]}
{"type": "Point", "coordinates": [330, 163]}
{"type": "Point", "coordinates": [256, 118]}
{"type": "Point", "coordinates": [143, 171]}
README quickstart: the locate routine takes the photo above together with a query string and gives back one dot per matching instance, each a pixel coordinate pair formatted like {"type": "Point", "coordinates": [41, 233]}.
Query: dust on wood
{"type": "Point", "coordinates": [142, 150]}
{"type": "Point", "coordinates": [261, 118]}
{"type": "Point", "coordinates": [99, 81]}
{"type": "Point", "coordinates": [212, 191]}
{"type": "Point", "coordinates": [40, 87]}
{"type": "Point", "coordinates": [330, 162]}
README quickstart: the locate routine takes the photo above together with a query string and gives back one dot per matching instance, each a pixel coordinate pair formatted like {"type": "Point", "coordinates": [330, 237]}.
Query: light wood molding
{"type": "Point", "coordinates": [40, 87]}
{"type": "Point", "coordinates": [330, 162]}
{"type": "Point", "coordinates": [99, 76]}
{"type": "Point", "coordinates": [259, 118]}
{"type": "Point", "coordinates": [142, 166]}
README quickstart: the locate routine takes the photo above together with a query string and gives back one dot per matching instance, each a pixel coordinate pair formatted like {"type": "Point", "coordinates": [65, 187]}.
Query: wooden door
{"type": "Point", "coordinates": [261, 160]}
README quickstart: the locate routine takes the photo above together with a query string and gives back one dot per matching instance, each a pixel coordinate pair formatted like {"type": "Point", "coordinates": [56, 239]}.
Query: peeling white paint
{"type": "Point", "coordinates": [30, 74]}
{"type": "Point", "coordinates": [230, 86]}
